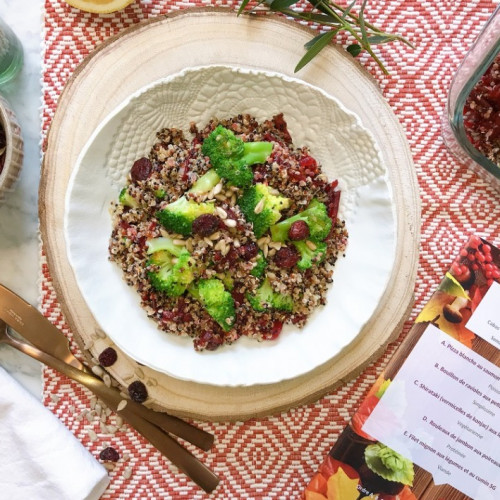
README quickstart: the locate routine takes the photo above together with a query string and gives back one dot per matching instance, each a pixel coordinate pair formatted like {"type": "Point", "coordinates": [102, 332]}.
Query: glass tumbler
{"type": "Point", "coordinates": [11, 53]}
{"type": "Point", "coordinates": [471, 123]}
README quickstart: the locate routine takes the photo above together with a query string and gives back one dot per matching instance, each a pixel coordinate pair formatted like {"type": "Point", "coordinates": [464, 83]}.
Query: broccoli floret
{"type": "Point", "coordinates": [163, 243]}
{"type": "Point", "coordinates": [316, 217]}
{"type": "Point", "coordinates": [217, 301]}
{"type": "Point", "coordinates": [266, 298]}
{"type": "Point", "coordinates": [261, 207]}
{"type": "Point", "coordinates": [127, 200]}
{"type": "Point", "coordinates": [205, 183]}
{"type": "Point", "coordinates": [260, 266]}
{"type": "Point", "coordinates": [231, 157]}
{"type": "Point", "coordinates": [179, 215]}
{"type": "Point", "coordinates": [310, 254]}
{"type": "Point", "coordinates": [170, 274]}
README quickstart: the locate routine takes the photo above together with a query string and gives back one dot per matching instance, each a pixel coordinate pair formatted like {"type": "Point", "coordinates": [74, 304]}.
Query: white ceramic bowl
{"type": "Point", "coordinates": [337, 139]}
{"type": "Point", "coordinates": [14, 148]}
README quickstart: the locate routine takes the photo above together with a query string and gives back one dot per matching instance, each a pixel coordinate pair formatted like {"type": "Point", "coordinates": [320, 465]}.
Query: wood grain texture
{"type": "Point", "coordinates": [163, 46]}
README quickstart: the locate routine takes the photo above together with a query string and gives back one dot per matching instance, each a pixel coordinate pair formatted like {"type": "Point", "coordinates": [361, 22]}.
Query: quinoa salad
{"type": "Point", "coordinates": [233, 231]}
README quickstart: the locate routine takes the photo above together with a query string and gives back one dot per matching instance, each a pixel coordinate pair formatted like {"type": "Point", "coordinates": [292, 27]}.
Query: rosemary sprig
{"type": "Point", "coordinates": [335, 19]}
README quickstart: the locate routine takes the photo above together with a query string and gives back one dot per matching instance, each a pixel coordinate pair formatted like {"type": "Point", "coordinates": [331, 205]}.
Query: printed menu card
{"type": "Point", "coordinates": [429, 428]}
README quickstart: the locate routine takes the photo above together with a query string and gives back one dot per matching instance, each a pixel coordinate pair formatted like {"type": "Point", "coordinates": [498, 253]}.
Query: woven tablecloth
{"type": "Point", "coordinates": [275, 457]}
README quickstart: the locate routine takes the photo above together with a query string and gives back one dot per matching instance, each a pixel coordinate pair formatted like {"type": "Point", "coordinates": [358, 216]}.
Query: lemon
{"type": "Point", "coordinates": [99, 6]}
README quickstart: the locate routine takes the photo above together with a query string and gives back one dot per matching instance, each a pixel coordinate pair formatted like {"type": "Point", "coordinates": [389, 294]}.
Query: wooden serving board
{"type": "Point", "coordinates": [163, 46]}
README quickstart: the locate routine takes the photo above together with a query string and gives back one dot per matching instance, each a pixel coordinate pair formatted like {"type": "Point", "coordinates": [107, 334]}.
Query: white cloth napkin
{"type": "Point", "coordinates": [39, 457]}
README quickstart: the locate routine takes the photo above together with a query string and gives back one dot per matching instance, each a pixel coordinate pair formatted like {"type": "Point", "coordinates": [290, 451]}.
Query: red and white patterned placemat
{"type": "Point", "coordinates": [275, 457]}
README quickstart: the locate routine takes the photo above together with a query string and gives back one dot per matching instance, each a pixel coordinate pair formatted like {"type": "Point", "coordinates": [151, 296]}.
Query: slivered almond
{"type": "Point", "coordinates": [179, 242]}
{"type": "Point", "coordinates": [230, 223]}
{"type": "Point", "coordinates": [311, 245]}
{"type": "Point", "coordinates": [218, 188]}
{"type": "Point", "coordinates": [220, 245]}
{"type": "Point", "coordinates": [127, 473]}
{"type": "Point", "coordinates": [221, 213]}
{"type": "Point", "coordinates": [121, 405]}
{"type": "Point", "coordinates": [259, 207]}
{"type": "Point", "coordinates": [224, 250]}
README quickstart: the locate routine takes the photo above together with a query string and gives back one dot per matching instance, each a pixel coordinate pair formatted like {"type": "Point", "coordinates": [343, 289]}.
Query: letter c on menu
{"type": "Point", "coordinates": [416, 382]}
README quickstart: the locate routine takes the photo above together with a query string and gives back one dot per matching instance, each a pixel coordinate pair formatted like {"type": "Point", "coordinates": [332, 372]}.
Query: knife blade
{"type": "Point", "coordinates": [39, 331]}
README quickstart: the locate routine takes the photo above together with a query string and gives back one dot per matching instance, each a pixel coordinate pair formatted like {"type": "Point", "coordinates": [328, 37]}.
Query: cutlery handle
{"type": "Point", "coordinates": [176, 426]}
{"type": "Point", "coordinates": [168, 446]}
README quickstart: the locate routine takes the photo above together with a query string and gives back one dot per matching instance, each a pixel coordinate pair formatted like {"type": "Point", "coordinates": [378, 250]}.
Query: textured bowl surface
{"type": "Point", "coordinates": [14, 150]}
{"type": "Point", "coordinates": [336, 138]}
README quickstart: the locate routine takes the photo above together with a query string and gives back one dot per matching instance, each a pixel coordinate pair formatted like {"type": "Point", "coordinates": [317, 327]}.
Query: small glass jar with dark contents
{"type": "Point", "coordinates": [471, 124]}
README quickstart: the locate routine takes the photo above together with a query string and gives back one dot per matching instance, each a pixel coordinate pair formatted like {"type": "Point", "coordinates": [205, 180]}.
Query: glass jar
{"type": "Point", "coordinates": [471, 124]}
{"type": "Point", "coordinates": [11, 54]}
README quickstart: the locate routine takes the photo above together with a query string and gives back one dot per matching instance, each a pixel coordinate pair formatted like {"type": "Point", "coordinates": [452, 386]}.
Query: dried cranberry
{"type": "Point", "coordinates": [138, 392]}
{"type": "Point", "coordinates": [206, 224]}
{"type": "Point", "coordinates": [238, 297]}
{"type": "Point", "coordinates": [109, 454]}
{"type": "Point", "coordinates": [249, 251]}
{"type": "Point", "coordinates": [141, 169]}
{"type": "Point", "coordinates": [281, 125]}
{"type": "Point", "coordinates": [108, 357]}
{"type": "Point", "coordinates": [276, 329]}
{"type": "Point", "coordinates": [286, 257]}
{"type": "Point", "coordinates": [299, 230]}
{"type": "Point", "coordinates": [333, 204]}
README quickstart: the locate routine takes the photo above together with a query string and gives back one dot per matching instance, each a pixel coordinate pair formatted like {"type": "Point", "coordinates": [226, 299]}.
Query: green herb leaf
{"type": "Point", "coordinates": [328, 14]}
{"type": "Point", "coordinates": [380, 39]}
{"type": "Point", "coordinates": [318, 4]}
{"type": "Point", "coordinates": [321, 42]}
{"type": "Point", "coordinates": [278, 5]}
{"type": "Point", "coordinates": [348, 9]}
{"type": "Point", "coordinates": [362, 27]}
{"type": "Point", "coordinates": [317, 18]}
{"type": "Point", "coordinates": [243, 4]}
